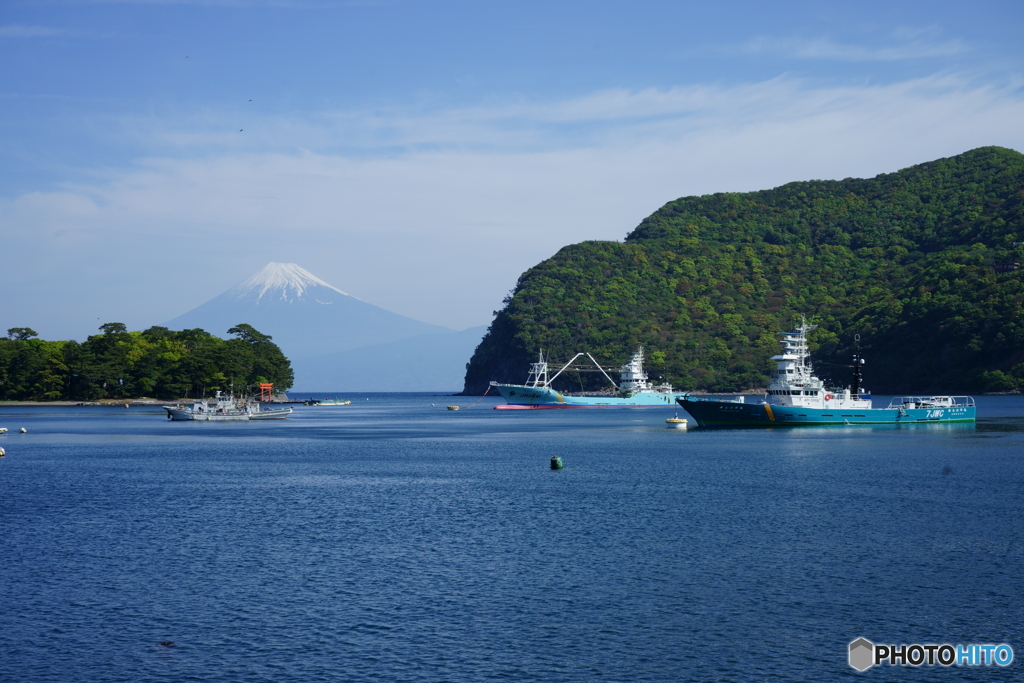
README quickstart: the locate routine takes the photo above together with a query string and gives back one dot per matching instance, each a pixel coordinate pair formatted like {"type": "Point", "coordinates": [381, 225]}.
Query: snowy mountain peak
{"type": "Point", "coordinates": [287, 281]}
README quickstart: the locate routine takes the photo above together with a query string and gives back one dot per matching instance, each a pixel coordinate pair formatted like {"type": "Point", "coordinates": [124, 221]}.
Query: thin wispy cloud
{"type": "Point", "coordinates": [244, 4]}
{"type": "Point", "coordinates": [524, 126]}
{"type": "Point", "coordinates": [459, 186]}
{"type": "Point", "coordinates": [906, 44]}
{"type": "Point", "coordinates": [22, 31]}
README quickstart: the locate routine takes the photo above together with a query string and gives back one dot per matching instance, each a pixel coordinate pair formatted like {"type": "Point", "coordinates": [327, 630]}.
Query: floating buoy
{"type": "Point", "coordinates": [23, 431]}
{"type": "Point", "coordinates": [3, 430]}
{"type": "Point", "coordinates": [125, 405]}
{"type": "Point", "coordinates": [2, 452]}
{"type": "Point", "coordinates": [169, 643]}
{"type": "Point", "coordinates": [556, 462]}
{"type": "Point", "coordinates": [676, 423]}
{"type": "Point", "coordinates": [453, 407]}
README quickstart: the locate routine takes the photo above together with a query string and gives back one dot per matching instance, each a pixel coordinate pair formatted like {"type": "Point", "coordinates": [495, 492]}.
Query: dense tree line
{"type": "Point", "coordinates": [156, 363]}
{"type": "Point", "coordinates": [906, 260]}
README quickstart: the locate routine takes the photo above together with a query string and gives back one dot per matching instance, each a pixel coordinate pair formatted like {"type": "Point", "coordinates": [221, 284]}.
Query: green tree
{"type": "Point", "coordinates": [21, 333]}
{"type": "Point", "coordinates": [157, 362]}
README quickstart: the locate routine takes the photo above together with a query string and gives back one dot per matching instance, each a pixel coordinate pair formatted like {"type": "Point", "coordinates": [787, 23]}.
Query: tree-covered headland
{"type": "Point", "coordinates": [919, 263]}
{"type": "Point", "coordinates": [156, 363]}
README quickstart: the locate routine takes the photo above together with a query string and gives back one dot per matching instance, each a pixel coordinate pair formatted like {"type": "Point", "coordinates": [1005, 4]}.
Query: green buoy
{"type": "Point", "coordinates": [556, 462]}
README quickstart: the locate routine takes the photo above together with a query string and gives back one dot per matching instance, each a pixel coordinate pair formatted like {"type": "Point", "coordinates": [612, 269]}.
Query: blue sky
{"type": "Point", "coordinates": [421, 155]}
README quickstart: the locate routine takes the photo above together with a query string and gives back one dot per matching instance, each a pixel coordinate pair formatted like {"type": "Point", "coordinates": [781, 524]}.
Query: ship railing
{"type": "Point", "coordinates": [931, 402]}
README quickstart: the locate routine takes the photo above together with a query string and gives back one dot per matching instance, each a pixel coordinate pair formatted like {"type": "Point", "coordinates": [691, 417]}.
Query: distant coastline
{"type": "Point", "coordinates": [110, 402]}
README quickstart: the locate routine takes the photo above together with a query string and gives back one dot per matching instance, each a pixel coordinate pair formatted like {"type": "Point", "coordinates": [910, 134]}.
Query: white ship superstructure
{"type": "Point", "coordinates": [632, 377]}
{"type": "Point", "coordinates": [793, 383]}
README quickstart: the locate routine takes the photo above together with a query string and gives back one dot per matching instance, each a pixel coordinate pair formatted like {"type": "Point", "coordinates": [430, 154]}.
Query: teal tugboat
{"type": "Point", "coordinates": [795, 397]}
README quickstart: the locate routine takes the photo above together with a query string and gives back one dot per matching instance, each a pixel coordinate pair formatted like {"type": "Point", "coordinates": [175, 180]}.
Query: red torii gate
{"type": "Point", "coordinates": [266, 392]}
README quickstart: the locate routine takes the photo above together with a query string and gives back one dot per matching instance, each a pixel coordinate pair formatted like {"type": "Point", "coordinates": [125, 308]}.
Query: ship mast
{"type": "Point", "coordinates": [858, 363]}
{"type": "Point", "coordinates": [802, 349]}
{"type": "Point", "coordinates": [538, 376]}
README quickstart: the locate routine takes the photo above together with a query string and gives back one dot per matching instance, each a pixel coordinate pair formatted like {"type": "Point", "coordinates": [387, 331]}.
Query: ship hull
{"type": "Point", "coordinates": [184, 414]}
{"type": "Point", "coordinates": [273, 414]}
{"type": "Point", "coordinates": [712, 413]}
{"type": "Point", "coordinates": [521, 397]}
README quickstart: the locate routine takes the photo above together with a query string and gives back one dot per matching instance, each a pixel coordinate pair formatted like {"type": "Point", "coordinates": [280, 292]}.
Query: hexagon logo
{"type": "Point", "coordinates": [862, 654]}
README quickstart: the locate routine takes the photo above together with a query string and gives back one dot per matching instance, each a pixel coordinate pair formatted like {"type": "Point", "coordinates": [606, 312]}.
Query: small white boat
{"type": "Point", "coordinates": [224, 408]}
{"type": "Point", "coordinates": [257, 412]}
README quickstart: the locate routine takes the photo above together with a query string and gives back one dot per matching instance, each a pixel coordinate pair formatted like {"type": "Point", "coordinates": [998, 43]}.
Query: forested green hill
{"type": "Point", "coordinates": [904, 259]}
{"type": "Point", "coordinates": [158, 363]}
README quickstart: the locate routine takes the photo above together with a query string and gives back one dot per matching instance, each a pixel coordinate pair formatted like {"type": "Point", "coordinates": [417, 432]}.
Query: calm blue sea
{"type": "Point", "coordinates": [393, 540]}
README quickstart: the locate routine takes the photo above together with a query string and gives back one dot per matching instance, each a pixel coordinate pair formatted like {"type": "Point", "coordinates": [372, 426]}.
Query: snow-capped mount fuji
{"type": "Point", "coordinates": [286, 282]}
{"type": "Point", "coordinates": [305, 315]}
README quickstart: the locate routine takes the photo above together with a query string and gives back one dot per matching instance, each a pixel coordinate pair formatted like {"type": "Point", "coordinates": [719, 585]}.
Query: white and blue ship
{"type": "Point", "coordinates": [796, 397]}
{"type": "Point", "coordinates": [634, 389]}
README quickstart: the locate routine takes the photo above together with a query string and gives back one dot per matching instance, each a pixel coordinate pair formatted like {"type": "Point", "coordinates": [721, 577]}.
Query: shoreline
{"type": "Point", "coordinates": [107, 402]}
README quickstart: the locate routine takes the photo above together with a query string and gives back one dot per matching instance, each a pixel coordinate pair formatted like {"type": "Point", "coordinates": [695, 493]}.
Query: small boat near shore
{"type": "Point", "coordinates": [258, 412]}
{"type": "Point", "coordinates": [796, 397]}
{"type": "Point", "coordinates": [224, 408]}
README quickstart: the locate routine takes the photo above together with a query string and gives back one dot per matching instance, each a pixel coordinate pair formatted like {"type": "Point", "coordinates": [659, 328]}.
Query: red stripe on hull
{"type": "Point", "coordinates": [515, 407]}
{"type": "Point", "coordinates": [568, 406]}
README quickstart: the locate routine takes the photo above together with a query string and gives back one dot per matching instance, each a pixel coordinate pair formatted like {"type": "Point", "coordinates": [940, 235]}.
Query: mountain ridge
{"type": "Point", "coordinates": [335, 341]}
{"type": "Point", "coordinates": [304, 314]}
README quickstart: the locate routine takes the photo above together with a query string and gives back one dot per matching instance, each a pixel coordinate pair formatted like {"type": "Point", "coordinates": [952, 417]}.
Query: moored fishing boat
{"type": "Point", "coordinates": [796, 397]}
{"type": "Point", "coordinates": [258, 412]}
{"type": "Point", "coordinates": [223, 408]}
{"type": "Point", "coordinates": [633, 390]}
